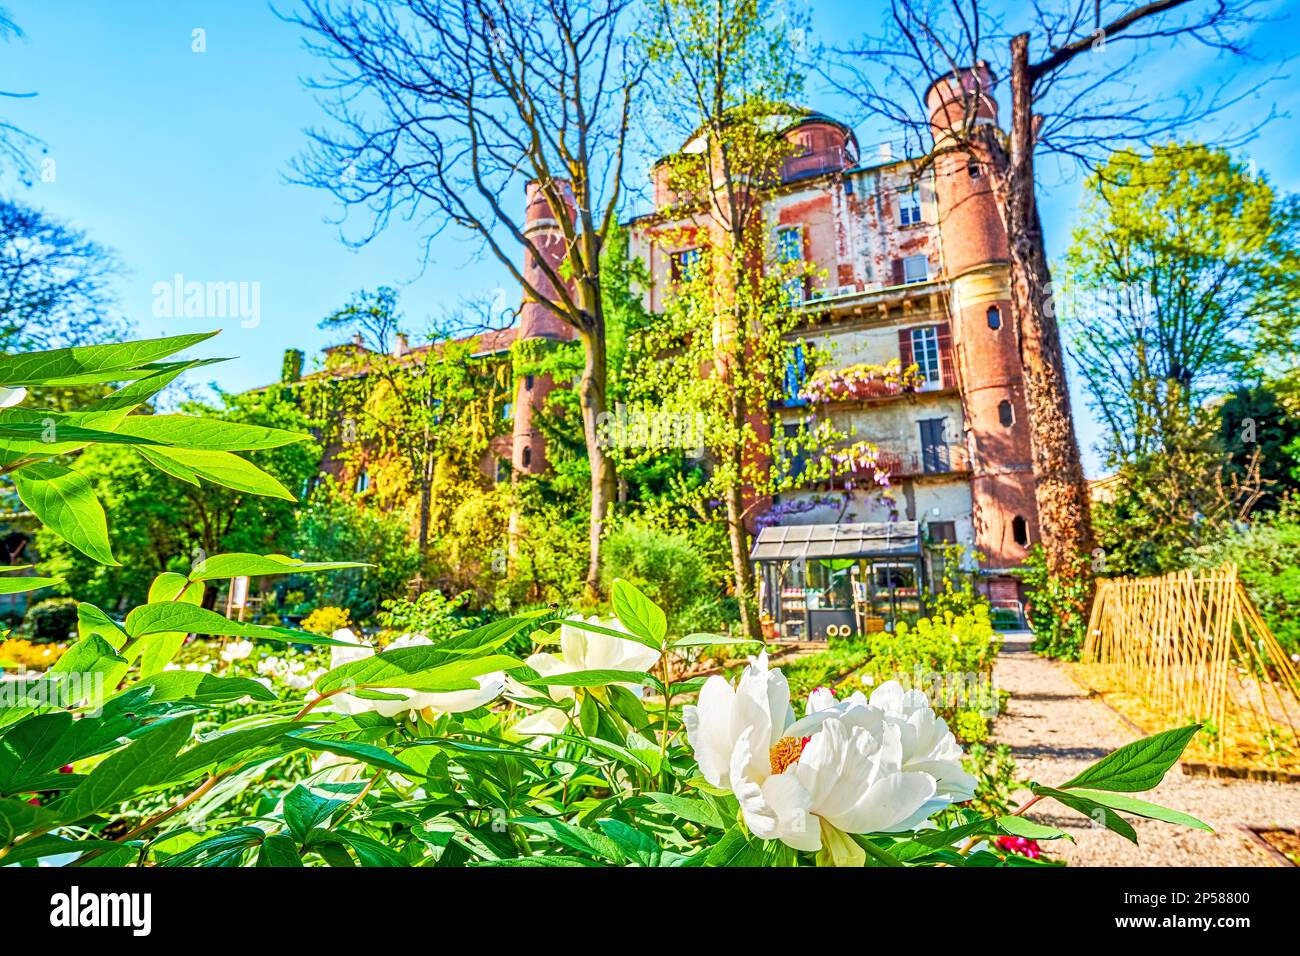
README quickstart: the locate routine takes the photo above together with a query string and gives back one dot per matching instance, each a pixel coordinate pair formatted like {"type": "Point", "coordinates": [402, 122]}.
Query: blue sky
{"type": "Point", "coordinates": [178, 160]}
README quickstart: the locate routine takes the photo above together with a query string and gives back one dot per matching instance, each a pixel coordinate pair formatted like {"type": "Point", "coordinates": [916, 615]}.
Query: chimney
{"type": "Point", "coordinates": [401, 346]}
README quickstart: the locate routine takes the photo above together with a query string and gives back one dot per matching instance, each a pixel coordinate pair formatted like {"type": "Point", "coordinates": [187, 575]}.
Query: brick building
{"type": "Point", "coordinates": [912, 266]}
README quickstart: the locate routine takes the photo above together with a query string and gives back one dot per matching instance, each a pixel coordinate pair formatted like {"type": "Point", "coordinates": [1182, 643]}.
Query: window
{"type": "Point", "coordinates": [975, 170]}
{"type": "Point", "coordinates": [995, 317]}
{"type": "Point", "coordinates": [528, 383]}
{"type": "Point", "coordinates": [527, 456]}
{"type": "Point", "coordinates": [943, 532]}
{"type": "Point", "coordinates": [789, 250]}
{"type": "Point", "coordinates": [503, 470]}
{"type": "Point", "coordinates": [796, 451]}
{"type": "Point", "coordinates": [925, 353]}
{"type": "Point", "coordinates": [682, 264]}
{"type": "Point", "coordinates": [916, 269]}
{"type": "Point", "coordinates": [1020, 531]}
{"type": "Point", "coordinates": [1006, 413]}
{"type": "Point", "coordinates": [507, 410]}
{"type": "Point", "coordinates": [796, 373]}
{"type": "Point", "coordinates": [934, 448]}
{"type": "Point", "coordinates": [909, 207]}
{"type": "Point", "coordinates": [363, 480]}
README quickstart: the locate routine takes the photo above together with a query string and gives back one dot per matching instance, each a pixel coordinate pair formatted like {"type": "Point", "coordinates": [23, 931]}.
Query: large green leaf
{"type": "Point", "coordinates": [162, 618]}
{"type": "Point", "coordinates": [1141, 808]}
{"type": "Point", "coordinates": [14, 584]}
{"type": "Point", "coordinates": [219, 467]}
{"type": "Point", "coordinates": [188, 431]}
{"type": "Point", "coordinates": [205, 688]}
{"type": "Point", "coordinates": [638, 613]}
{"type": "Point", "coordinates": [423, 668]}
{"type": "Point", "coordinates": [145, 761]}
{"type": "Point", "coordinates": [238, 564]}
{"type": "Point", "coordinates": [56, 365]}
{"type": "Point", "coordinates": [64, 502]}
{"type": "Point", "coordinates": [1098, 813]}
{"type": "Point", "coordinates": [1138, 766]}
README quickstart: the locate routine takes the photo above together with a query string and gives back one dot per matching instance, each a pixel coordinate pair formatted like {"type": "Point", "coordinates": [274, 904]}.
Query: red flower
{"type": "Point", "coordinates": [1019, 845]}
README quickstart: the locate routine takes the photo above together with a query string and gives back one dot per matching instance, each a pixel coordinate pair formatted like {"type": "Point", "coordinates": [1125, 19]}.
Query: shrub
{"type": "Point", "coordinates": [430, 614]}
{"type": "Point", "coordinates": [326, 620]}
{"type": "Point", "coordinates": [1268, 558]}
{"type": "Point", "coordinates": [671, 572]}
{"type": "Point", "coordinates": [1057, 608]}
{"type": "Point", "coordinates": [51, 620]}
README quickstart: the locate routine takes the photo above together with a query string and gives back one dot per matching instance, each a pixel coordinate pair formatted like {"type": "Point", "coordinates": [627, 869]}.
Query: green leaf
{"type": "Point", "coordinates": [35, 436]}
{"type": "Point", "coordinates": [91, 621]}
{"type": "Point", "coordinates": [143, 762]}
{"type": "Point", "coordinates": [705, 640]}
{"type": "Point", "coordinates": [10, 584]}
{"type": "Point", "coordinates": [638, 613]}
{"type": "Point", "coordinates": [218, 751]}
{"type": "Point", "coordinates": [218, 467]}
{"type": "Point", "coordinates": [582, 625]}
{"type": "Point", "coordinates": [423, 667]}
{"type": "Point", "coordinates": [188, 431]}
{"type": "Point", "coordinates": [279, 850]}
{"type": "Point", "coordinates": [204, 688]}
{"type": "Point", "coordinates": [304, 811]}
{"type": "Point", "coordinates": [187, 618]}
{"type": "Point", "coordinates": [220, 850]}
{"type": "Point", "coordinates": [365, 753]}
{"type": "Point", "coordinates": [696, 811]}
{"type": "Point", "coordinates": [1019, 826]}
{"type": "Point", "coordinates": [17, 817]}
{"type": "Point", "coordinates": [1091, 809]}
{"type": "Point", "coordinates": [1141, 808]}
{"type": "Point", "coordinates": [51, 845]}
{"type": "Point", "coordinates": [575, 837]}
{"type": "Point", "coordinates": [237, 564]}
{"type": "Point", "coordinates": [64, 502]}
{"type": "Point", "coordinates": [592, 678]}
{"type": "Point", "coordinates": [38, 368]}
{"type": "Point", "coordinates": [737, 848]}
{"type": "Point", "coordinates": [1138, 766]}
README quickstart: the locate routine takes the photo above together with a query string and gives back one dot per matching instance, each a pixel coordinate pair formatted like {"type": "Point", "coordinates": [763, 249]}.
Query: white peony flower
{"type": "Point", "coordinates": [490, 686]}
{"type": "Point", "coordinates": [236, 651]}
{"type": "Point", "coordinates": [582, 650]}
{"type": "Point", "coordinates": [928, 745]}
{"type": "Point", "coordinates": [11, 396]}
{"type": "Point", "coordinates": [841, 769]}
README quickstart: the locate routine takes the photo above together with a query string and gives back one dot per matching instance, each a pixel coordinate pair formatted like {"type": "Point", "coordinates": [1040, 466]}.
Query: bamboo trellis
{"type": "Point", "coordinates": [1191, 645]}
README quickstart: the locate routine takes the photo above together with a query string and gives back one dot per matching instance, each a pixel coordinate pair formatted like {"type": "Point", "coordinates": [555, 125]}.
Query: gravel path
{"type": "Point", "coordinates": [1055, 730]}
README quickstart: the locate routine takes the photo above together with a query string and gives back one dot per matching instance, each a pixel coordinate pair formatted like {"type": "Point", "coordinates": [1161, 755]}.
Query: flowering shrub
{"type": "Point", "coordinates": [25, 654]}
{"type": "Point", "coordinates": [862, 381]}
{"type": "Point", "coordinates": [326, 620]}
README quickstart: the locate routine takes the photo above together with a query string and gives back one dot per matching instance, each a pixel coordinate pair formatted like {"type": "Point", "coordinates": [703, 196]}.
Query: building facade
{"type": "Point", "coordinates": [909, 268]}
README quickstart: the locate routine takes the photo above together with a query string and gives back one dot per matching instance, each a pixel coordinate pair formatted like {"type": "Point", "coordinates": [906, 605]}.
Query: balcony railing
{"type": "Point", "coordinates": [932, 460]}
{"type": "Point", "coordinates": [813, 163]}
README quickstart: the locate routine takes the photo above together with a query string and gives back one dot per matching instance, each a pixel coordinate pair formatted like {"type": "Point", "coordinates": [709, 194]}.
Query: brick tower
{"type": "Point", "coordinates": [976, 261]}
{"type": "Point", "coordinates": [538, 322]}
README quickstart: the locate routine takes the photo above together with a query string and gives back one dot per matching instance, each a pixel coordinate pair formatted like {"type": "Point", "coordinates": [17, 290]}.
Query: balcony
{"type": "Point", "coordinates": [813, 163]}
{"type": "Point", "coordinates": [932, 460]}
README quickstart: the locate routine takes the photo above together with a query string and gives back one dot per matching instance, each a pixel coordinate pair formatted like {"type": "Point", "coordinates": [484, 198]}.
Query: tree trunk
{"type": "Point", "coordinates": [1064, 512]}
{"type": "Point", "coordinates": [593, 390]}
{"type": "Point", "coordinates": [742, 570]}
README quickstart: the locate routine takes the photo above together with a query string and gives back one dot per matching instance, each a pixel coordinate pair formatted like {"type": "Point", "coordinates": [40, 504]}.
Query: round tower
{"type": "Point", "coordinates": [976, 261]}
{"type": "Point", "coordinates": [536, 321]}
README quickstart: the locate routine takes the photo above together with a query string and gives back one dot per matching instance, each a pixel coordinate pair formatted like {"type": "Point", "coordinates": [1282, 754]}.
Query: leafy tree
{"type": "Point", "coordinates": [54, 283]}
{"type": "Point", "coordinates": [1178, 257]}
{"type": "Point", "coordinates": [1253, 421]}
{"type": "Point", "coordinates": [422, 417]}
{"type": "Point", "coordinates": [712, 367]}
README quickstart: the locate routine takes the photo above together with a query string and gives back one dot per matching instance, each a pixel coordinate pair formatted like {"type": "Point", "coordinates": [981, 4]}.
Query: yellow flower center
{"type": "Point", "coordinates": [785, 752]}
